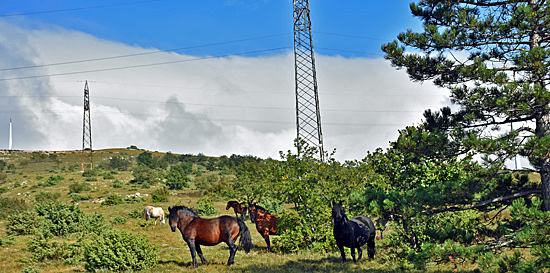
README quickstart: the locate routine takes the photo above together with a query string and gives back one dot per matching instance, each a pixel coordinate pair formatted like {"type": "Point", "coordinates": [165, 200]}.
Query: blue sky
{"type": "Point", "coordinates": [344, 27]}
{"type": "Point", "coordinates": [210, 96]}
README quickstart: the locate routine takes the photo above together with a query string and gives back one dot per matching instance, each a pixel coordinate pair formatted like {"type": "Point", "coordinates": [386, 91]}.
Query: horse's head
{"type": "Point", "coordinates": [252, 212]}
{"type": "Point", "coordinates": [173, 218]}
{"type": "Point", "coordinates": [338, 212]}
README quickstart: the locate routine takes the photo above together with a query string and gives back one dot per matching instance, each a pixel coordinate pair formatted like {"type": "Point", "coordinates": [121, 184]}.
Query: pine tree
{"type": "Point", "coordinates": [494, 57]}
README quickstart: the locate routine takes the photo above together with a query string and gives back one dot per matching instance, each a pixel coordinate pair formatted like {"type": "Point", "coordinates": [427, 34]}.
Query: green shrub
{"type": "Point", "coordinates": [112, 200]}
{"type": "Point", "coordinates": [119, 250]}
{"type": "Point", "coordinates": [108, 176]}
{"type": "Point", "coordinates": [205, 207]}
{"type": "Point", "coordinates": [159, 196]}
{"type": "Point", "coordinates": [43, 250]}
{"type": "Point", "coordinates": [52, 181]}
{"type": "Point", "coordinates": [271, 205]}
{"type": "Point", "coordinates": [118, 220]}
{"type": "Point", "coordinates": [44, 196]}
{"type": "Point", "coordinates": [62, 219]}
{"type": "Point", "coordinates": [9, 206]}
{"type": "Point", "coordinates": [79, 197]}
{"type": "Point", "coordinates": [78, 187]}
{"type": "Point", "coordinates": [117, 184]}
{"type": "Point", "coordinates": [23, 222]}
{"type": "Point", "coordinates": [3, 189]}
{"type": "Point", "coordinates": [137, 213]}
{"type": "Point", "coordinates": [7, 240]}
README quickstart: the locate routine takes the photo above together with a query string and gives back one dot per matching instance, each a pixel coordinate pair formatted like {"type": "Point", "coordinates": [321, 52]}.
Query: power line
{"type": "Point", "coordinates": [145, 53]}
{"type": "Point", "coordinates": [143, 65]}
{"type": "Point", "coordinates": [232, 106]}
{"type": "Point", "coordinates": [73, 9]}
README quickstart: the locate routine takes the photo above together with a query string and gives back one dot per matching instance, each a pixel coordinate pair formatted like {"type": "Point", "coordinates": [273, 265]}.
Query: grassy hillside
{"type": "Point", "coordinates": [31, 175]}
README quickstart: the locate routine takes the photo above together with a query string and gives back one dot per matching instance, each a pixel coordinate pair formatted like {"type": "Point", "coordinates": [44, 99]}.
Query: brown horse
{"type": "Point", "coordinates": [237, 207]}
{"type": "Point", "coordinates": [208, 232]}
{"type": "Point", "coordinates": [266, 223]}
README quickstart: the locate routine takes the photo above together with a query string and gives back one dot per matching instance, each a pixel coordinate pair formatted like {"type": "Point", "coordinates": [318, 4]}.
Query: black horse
{"type": "Point", "coordinates": [353, 233]}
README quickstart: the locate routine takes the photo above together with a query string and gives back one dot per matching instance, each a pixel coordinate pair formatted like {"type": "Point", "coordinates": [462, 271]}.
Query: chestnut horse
{"type": "Point", "coordinates": [237, 207]}
{"type": "Point", "coordinates": [266, 223]}
{"type": "Point", "coordinates": [208, 232]}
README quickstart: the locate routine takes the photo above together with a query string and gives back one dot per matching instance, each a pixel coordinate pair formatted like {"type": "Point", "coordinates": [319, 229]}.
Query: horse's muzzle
{"type": "Point", "coordinates": [173, 227]}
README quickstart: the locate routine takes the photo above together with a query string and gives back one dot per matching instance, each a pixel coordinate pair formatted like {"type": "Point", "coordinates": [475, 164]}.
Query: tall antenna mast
{"type": "Point", "coordinates": [308, 116]}
{"type": "Point", "coordinates": [87, 131]}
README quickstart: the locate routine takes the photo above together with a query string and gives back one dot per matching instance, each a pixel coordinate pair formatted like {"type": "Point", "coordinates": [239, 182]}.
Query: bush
{"type": "Point", "coordinates": [23, 222]}
{"type": "Point", "coordinates": [117, 184]}
{"type": "Point", "coordinates": [112, 200]}
{"type": "Point", "coordinates": [120, 250]}
{"type": "Point", "coordinates": [62, 219]}
{"type": "Point", "coordinates": [79, 197]}
{"type": "Point", "coordinates": [159, 196]}
{"type": "Point", "coordinates": [77, 187]}
{"type": "Point", "coordinates": [52, 181]}
{"type": "Point", "coordinates": [177, 178]}
{"type": "Point", "coordinates": [43, 249]}
{"type": "Point", "coordinates": [9, 206]}
{"type": "Point", "coordinates": [205, 207]}
{"type": "Point", "coordinates": [44, 196]}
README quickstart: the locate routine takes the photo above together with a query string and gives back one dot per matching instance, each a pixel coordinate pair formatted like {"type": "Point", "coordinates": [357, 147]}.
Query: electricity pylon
{"type": "Point", "coordinates": [308, 116]}
{"type": "Point", "coordinates": [87, 131]}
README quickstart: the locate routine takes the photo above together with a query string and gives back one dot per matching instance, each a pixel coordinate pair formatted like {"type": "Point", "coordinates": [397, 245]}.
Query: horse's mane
{"type": "Point", "coordinates": [185, 210]}
{"type": "Point", "coordinates": [261, 209]}
{"type": "Point", "coordinates": [232, 202]}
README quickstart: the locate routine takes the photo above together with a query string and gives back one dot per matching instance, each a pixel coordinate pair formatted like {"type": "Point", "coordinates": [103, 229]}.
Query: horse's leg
{"type": "Point", "coordinates": [191, 244]}
{"type": "Point", "coordinates": [359, 253]}
{"type": "Point", "coordinates": [266, 238]}
{"type": "Point", "coordinates": [232, 250]}
{"type": "Point", "coordinates": [341, 247]}
{"type": "Point", "coordinates": [353, 254]}
{"type": "Point", "coordinates": [371, 248]}
{"type": "Point", "coordinates": [199, 251]}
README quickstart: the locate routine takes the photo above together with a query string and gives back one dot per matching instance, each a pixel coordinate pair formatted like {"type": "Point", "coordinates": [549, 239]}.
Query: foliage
{"type": "Point", "coordinates": [147, 159]}
{"type": "Point", "coordinates": [119, 250]}
{"type": "Point", "coordinates": [60, 219]}
{"type": "Point", "coordinates": [112, 200]}
{"type": "Point", "coordinates": [10, 205]}
{"type": "Point", "coordinates": [271, 205]}
{"type": "Point", "coordinates": [45, 196]}
{"type": "Point", "coordinates": [205, 207]}
{"type": "Point", "coordinates": [117, 184]}
{"type": "Point", "coordinates": [146, 175]}
{"type": "Point", "coordinates": [23, 222]}
{"type": "Point", "coordinates": [51, 181]}
{"type": "Point", "coordinates": [176, 178]}
{"type": "Point", "coordinates": [7, 240]}
{"type": "Point", "coordinates": [78, 187]}
{"type": "Point", "coordinates": [43, 249]}
{"type": "Point", "coordinates": [502, 79]}
{"type": "Point", "coordinates": [79, 197]}
{"type": "Point", "coordinates": [159, 196]}
{"type": "Point", "coordinates": [119, 163]}
{"type": "Point", "coordinates": [3, 164]}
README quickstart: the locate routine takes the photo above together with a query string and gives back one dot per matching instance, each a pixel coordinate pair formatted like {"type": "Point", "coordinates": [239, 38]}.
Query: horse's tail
{"type": "Point", "coordinates": [145, 214]}
{"type": "Point", "coordinates": [246, 238]}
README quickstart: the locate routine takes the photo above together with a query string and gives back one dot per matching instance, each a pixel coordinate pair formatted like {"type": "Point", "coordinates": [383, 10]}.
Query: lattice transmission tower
{"type": "Point", "coordinates": [308, 115]}
{"type": "Point", "coordinates": [87, 131]}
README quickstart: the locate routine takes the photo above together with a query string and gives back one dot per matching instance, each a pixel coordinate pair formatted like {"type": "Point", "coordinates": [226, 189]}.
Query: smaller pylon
{"type": "Point", "coordinates": [11, 138]}
{"type": "Point", "coordinates": [87, 132]}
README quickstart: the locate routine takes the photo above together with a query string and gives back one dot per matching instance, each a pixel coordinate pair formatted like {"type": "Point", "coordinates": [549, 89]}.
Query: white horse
{"type": "Point", "coordinates": [153, 212]}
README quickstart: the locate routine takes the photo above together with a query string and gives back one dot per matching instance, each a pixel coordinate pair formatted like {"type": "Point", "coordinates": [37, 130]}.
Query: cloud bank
{"type": "Point", "coordinates": [193, 104]}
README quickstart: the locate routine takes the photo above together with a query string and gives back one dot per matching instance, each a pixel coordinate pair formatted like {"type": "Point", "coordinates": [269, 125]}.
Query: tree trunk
{"type": "Point", "coordinates": [543, 129]}
{"type": "Point", "coordinates": [542, 123]}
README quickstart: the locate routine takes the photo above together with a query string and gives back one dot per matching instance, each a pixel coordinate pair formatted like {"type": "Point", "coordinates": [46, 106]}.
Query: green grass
{"type": "Point", "coordinates": [174, 255]}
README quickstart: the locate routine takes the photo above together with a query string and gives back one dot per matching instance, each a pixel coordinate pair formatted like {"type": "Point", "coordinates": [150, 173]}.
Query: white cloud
{"type": "Point", "coordinates": [215, 106]}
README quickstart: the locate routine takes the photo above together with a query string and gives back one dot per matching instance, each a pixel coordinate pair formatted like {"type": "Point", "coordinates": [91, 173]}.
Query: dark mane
{"type": "Point", "coordinates": [183, 209]}
{"type": "Point", "coordinates": [230, 203]}
{"type": "Point", "coordinates": [261, 208]}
